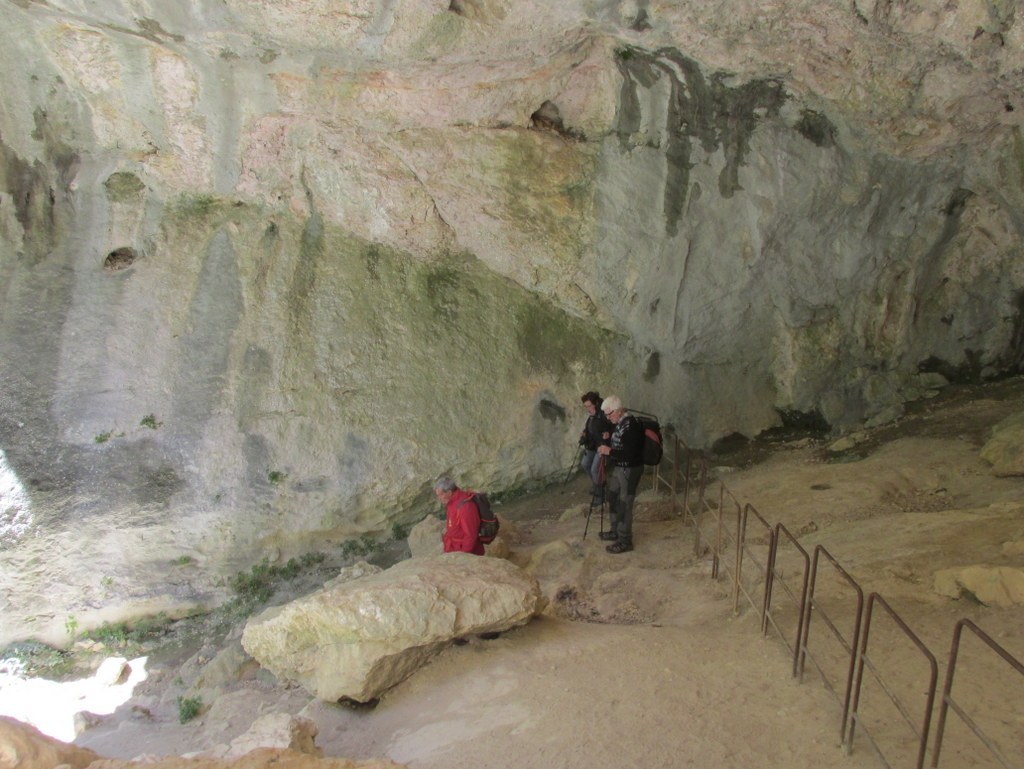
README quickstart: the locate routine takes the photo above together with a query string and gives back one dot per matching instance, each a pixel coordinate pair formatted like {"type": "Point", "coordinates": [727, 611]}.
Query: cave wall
{"type": "Point", "coordinates": [266, 269]}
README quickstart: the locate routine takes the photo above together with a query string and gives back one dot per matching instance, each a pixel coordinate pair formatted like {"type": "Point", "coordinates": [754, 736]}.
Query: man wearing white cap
{"type": "Point", "coordinates": [626, 454]}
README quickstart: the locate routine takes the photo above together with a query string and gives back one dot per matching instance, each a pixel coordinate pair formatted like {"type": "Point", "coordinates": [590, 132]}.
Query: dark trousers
{"type": "Point", "coordinates": [622, 486]}
{"type": "Point", "coordinates": [591, 464]}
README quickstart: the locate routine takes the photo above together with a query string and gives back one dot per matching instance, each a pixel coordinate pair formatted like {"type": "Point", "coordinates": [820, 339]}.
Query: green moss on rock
{"type": "Point", "coordinates": [123, 187]}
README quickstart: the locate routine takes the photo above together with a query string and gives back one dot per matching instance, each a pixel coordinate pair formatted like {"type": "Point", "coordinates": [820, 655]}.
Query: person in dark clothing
{"type": "Point", "coordinates": [625, 451]}
{"type": "Point", "coordinates": [596, 432]}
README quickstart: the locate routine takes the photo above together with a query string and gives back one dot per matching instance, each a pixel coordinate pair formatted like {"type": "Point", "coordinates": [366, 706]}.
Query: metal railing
{"type": "Point", "coordinates": [864, 663]}
{"type": "Point", "coordinates": [744, 552]}
{"type": "Point", "coordinates": [947, 701]}
{"type": "Point", "coordinates": [849, 645]}
{"type": "Point", "coordinates": [733, 551]}
{"type": "Point", "coordinates": [776, 577]}
{"type": "Point", "coordinates": [720, 520]}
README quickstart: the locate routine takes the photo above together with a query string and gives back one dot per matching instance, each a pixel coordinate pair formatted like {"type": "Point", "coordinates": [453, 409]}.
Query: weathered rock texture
{"type": "Point", "coordinates": [989, 585]}
{"type": "Point", "coordinates": [359, 638]}
{"type": "Point", "coordinates": [274, 730]}
{"type": "Point", "coordinates": [25, 747]}
{"type": "Point", "coordinates": [1005, 449]}
{"type": "Point", "coordinates": [268, 267]}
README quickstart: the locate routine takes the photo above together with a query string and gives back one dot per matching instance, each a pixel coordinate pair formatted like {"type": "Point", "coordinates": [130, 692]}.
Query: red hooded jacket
{"type": "Point", "coordinates": [462, 531]}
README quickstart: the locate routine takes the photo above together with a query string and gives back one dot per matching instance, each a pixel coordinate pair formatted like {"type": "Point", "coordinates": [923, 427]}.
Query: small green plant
{"type": "Point", "coordinates": [365, 545]}
{"type": "Point", "coordinates": [275, 477]}
{"type": "Point", "coordinates": [103, 437]}
{"type": "Point", "coordinates": [189, 708]}
{"type": "Point", "coordinates": [184, 560]}
{"type": "Point", "coordinates": [122, 635]}
{"type": "Point", "coordinates": [39, 660]}
{"type": "Point", "coordinates": [178, 681]}
{"type": "Point", "coordinates": [71, 626]}
{"type": "Point", "coordinates": [150, 421]}
{"type": "Point", "coordinates": [107, 581]}
{"type": "Point", "coordinates": [257, 585]}
{"type": "Point", "coordinates": [309, 560]}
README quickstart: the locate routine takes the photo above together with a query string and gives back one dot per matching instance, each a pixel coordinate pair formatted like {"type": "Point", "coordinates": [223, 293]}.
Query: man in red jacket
{"type": "Point", "coordinates": [462, 530]}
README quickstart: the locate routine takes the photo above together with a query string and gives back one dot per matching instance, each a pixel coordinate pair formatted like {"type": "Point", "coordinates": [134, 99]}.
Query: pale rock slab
{"type": "Point", "coordinates": [991, 585]}
{"type": "Point", "coordinates": [499, 547]}
{"type": "Point", "coordinates": [274, 730]}
{"type": "Point", "coordinates": [358, 639]}
{"type": "Point", "coordinates": [1013, 547]}
{"type": "Point", "coordinates": [1005, 449]}
{"type": "Point", "coordinates": [425, 537]}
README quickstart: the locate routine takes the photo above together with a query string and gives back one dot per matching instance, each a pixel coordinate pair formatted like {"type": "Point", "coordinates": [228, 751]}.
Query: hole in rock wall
{"type": "Point", "coordinates": [653, 366]}
{"type": "Point", "coordinates": [120, 259]}
{"type": "Point", "coordinates": [730, 444]}
{"type": "Point", "coordinates": [551, 411]}
{"type": "Point", "coordinates": [642, 21]}
{"type": "Point", "coordinates": [967, 371]}
{"type": "Point", "coordinates": [817, 128]}
{"type": "Point", "coordinates": [796, 424]}
{"type": "Point", "coordinates": [549, 118]}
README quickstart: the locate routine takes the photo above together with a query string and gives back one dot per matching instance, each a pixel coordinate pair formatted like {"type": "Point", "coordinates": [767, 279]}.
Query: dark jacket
{"type": "Point", "coordinates": [594, 430]}
{"type": "Point", "coordinates": [627, 442]}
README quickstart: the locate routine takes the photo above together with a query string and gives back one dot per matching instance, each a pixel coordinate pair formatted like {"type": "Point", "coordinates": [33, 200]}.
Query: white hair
{"type": "Point", "coordinates": [444, 483]}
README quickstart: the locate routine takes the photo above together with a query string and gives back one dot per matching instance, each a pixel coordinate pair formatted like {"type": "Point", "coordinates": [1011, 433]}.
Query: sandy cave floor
{"type": "Point", "coordinates": [641, 661]}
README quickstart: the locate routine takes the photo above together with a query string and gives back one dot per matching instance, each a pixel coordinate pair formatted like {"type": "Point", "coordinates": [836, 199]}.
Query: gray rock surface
{"type": "Point", "coordinates": [362, 637]}
{"type": "Point", "coordinates": [266, 268]}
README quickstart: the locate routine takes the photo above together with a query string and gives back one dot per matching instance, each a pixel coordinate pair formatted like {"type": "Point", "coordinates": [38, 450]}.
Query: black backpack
{"type": "Point", "coordinates": [652, 450]}
{"type": "Point", "coordinates": [488, 520]}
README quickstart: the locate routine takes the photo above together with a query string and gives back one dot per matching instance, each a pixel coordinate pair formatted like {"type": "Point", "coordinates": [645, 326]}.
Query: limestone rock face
{"type": "Point", "coordinates": [1005, 449]}
{"type": "Point", "coordinates": [362, 637]}
{"type": "Point", "coordinates": [267, 268]}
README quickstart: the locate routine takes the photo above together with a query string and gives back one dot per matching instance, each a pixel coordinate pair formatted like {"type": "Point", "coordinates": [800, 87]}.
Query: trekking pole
{"type": "Point", "coordinates": [590, 512]}
{"type": "Point", "coordinates": [575, 462]}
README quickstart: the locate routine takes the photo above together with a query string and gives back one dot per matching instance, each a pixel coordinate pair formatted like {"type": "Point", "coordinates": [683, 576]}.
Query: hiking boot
{"type": "Point", "coordinates": [608, 536]}
{"type": "Point", "coordinates": [619, 547]}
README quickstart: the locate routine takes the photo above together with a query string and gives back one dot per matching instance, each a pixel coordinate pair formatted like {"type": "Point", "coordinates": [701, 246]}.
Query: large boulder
{"type": "Point", "coordinates": [25, 747]}
{"type": "Point", "coordinates": [355, 640]}
{"type": "Point", "coordinates": [1005, 448]}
